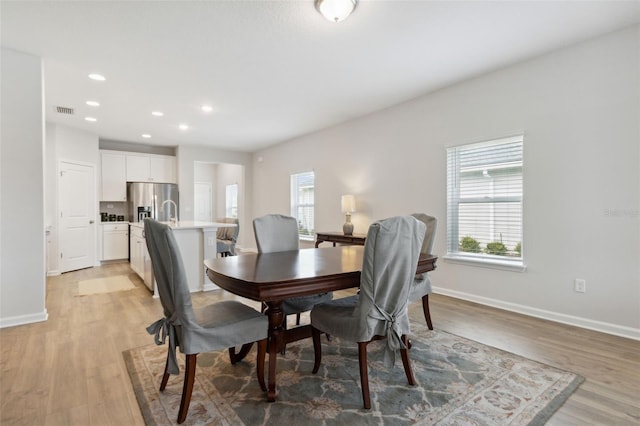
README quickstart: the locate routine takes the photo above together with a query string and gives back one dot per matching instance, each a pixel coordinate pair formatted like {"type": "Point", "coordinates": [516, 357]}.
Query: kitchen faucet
{"type": "Point", "coordinates": [175, 207]}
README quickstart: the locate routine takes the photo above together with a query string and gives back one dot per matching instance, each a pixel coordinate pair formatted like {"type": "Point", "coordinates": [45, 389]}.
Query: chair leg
{"type": "Point", "coordinates": [404, 353]}
{"type": "Point", "coordinates": [425, 309]}
{"type": "Point", "coordinates": [317, 349]}
{"type": "Point", "coordinates": [244, 350]}
{"type": "Point", "coordinates": [165, 376]}
{"type": "Point", "coordinates": [187, 388]}
{"type": "Point", "coordinates": [284, 345]}
{"type": "Point", "coordinates": [262, 351]}
{"type": "Point", "coordinates": [364, 374]}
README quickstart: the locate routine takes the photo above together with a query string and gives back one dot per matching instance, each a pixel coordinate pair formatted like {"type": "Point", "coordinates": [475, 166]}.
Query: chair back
{"type": "Point", "coordinates": [170, 275]}
{"type": "Point", "coordinates": [230, 233]}
{"type": "Point", "coordinates": [391, 253]}
{"type": "Point", "coordinates": [276, 232]}
{"type": "Point", "coordinates": [430, 233]}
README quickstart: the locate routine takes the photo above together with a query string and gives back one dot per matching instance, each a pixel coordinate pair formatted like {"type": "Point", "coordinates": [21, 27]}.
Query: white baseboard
{"type": "Point", "coordinates": [53, 273]}
{"type": "Point", "coordinates": [604, 327]}
{"type": "Point", "coordinates": [246, 249]}
{"type": "Point", "coordinates": [24, 319]}
{"type": "Point", "coordinates": [210, 286]}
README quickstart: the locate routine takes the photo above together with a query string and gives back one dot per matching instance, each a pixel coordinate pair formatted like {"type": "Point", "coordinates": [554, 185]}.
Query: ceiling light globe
{"type": "Point", "coordinates": [336, 10]}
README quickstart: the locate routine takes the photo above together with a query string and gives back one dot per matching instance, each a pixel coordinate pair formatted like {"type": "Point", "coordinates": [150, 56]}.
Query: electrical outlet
{"type": "Point", "coordinates": [580, 285]}
{"type": "Point", "coordinates": [210, 241]}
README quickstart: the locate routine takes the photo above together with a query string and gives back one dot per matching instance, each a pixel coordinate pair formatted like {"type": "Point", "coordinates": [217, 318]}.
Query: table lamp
{"type": "Point", "coordinates": [348, 207]}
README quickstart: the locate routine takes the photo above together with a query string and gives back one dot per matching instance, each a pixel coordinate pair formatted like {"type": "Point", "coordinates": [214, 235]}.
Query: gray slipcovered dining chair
{"type": "Point", "coordinates": [227, 237]}
{"type": "Point", "coordinates": [218, 326]}
{"type": "Point", "coordinates": [380, 310]}
{"type": "Point", "coordinates": [421, 288]}
{"type": "Point", "coordinates": [274, 233]}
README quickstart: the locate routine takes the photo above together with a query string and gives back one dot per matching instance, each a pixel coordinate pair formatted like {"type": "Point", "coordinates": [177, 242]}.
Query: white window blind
{"type": "Point", "coordinates": [484, 200]}
{"type": "Point", "coordinates": [303, 203]}
{"type": "Point", "coordinates": [231, 200]}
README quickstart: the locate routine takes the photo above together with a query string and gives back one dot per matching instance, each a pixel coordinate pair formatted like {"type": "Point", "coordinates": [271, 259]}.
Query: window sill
{"type": "Point", "coordinates": [504, 265]}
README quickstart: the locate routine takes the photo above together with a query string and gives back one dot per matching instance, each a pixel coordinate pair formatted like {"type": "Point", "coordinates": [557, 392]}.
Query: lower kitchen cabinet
{"type": "Point", "coordinates": [140, 261]}
{"type": "Point", "coordinates": [115, 241]}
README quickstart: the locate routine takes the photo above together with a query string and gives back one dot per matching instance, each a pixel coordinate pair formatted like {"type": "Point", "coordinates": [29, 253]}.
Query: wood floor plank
{"type": "Point", "coordinates": [69, 370]}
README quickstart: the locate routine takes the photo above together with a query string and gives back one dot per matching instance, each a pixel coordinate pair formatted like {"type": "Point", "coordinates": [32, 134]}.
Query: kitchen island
{"type": "Point", "coordinates": [197, 242]}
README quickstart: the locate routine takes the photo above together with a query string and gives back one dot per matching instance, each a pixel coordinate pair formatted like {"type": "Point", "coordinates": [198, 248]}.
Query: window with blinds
{"type": "Point", "coordinates": [484, 200]}
{"type": "Point", "coordinates": [303, 203]}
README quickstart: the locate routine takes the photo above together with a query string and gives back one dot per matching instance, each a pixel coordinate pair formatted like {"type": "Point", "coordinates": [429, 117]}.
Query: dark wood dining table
{"type": "Point", "coordinates": [273, 277]}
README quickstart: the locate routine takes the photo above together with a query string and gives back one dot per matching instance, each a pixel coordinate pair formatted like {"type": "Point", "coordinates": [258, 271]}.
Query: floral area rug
{"type": "Point", "coordinates": [460, 382]}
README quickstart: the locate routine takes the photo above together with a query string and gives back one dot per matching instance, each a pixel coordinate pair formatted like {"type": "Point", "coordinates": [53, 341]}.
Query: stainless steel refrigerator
{"type": "Point", "coordinates": [158, 201]}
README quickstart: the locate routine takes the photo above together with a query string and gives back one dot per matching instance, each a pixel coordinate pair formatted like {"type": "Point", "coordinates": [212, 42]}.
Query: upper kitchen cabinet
{"type": "Point", "coordinates": [151, 168]}
{"type": "Point", "coordinates": [114, 177]}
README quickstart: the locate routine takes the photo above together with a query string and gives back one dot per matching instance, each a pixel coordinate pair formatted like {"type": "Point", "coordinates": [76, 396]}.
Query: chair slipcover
{"type": "Point", "coordinates": [274, 233]}
{"type": "Point", "coordinates": [227, 237]}
{"type": "Point", "coordinates": [219, 326]}
{"type": "Point", "coordinates": [391, 253]}
{"type": "Point", "coordinates": [422, 284]}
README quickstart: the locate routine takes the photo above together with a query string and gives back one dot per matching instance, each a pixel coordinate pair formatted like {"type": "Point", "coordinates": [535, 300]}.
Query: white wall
{"type": "Point", "coordinates": [22, 239]}
{"type": "Point", "coordinates": [579, 110]}
{"type": "Point", "coordinates": [187, 156]}
{"type": "Point", "coordinates": [64, 143]}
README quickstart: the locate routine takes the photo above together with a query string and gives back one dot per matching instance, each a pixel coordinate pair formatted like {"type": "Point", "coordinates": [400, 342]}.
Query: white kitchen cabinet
{"type": "Point", "coordinates": [114, 176]}
{"type": "Point", "coordinates": [138, 247]}
{"type": "Point", "coordinates": [115, 241]}
{"type": "Point", "coordinates": [151, 168]}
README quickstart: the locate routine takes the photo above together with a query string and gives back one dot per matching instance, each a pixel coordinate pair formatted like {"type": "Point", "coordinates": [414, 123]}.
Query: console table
{"type": "Point", "coordinates": [339, 237]}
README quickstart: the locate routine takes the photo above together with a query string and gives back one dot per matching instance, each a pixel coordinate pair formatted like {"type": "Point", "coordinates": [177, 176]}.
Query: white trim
{"type": "Point", "coordinates": [514, 136]}
{"type": "Point", "coordinates": [53, 273]}
{"type": "Point", "coordinates": [24, 319]}
{"type": "Point", "coordinates": [603, 327]}
{"type": "Point", "coordinates": [504, 265]}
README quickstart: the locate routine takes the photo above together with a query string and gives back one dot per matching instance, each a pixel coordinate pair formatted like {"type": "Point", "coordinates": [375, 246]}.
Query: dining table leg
{"type": "Point", "coordinates": [276, 341]}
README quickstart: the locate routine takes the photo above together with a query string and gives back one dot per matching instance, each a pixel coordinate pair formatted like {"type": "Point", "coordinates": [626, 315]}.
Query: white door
{"type": "Point", "coordinates": [76, 202]}
{"type": "Point", "coordinates": [202, 201]}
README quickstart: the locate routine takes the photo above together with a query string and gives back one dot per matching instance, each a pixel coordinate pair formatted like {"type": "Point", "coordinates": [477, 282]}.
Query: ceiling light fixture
{"type": "Point", "coordinates": [93, 103]}
{"type": "Point", "coordinates": [206, 108]}
{"type": "Point", "coordinates": [97, 77]}
{"type": "Point", "coordinates": [90, 119]}
{"type": "Point", "coordinates": [336, 10]}
{"type": "Point", "coordinates": [146, 135]}
{"type": "Point", "coordinates": [183, 127]}
{"type": "Point", "coordinates": [157, 113]}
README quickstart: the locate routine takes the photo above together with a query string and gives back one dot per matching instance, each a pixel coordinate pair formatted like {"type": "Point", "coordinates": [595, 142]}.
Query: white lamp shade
{"type": "Point", "coordinates": [348, 204]}
{"type": "Point", "coordinates": [335, 10]}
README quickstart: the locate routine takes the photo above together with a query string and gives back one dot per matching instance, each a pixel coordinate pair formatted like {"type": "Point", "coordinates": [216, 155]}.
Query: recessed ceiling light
{"type": "Point", "coordinates": [206, 108]}
{"type": "Point", "coordinates": [91, 119]}
{"type": "Point", "coordinates": [157, 113]}
{"type": "Point", "coordinates": [93, 103]}
{"type": "Point", "coordinates": [146, 135]}
{"type": "Point", "coordinates": [97, 77]}
{"type": "Point", "coordinates": [183, 127]}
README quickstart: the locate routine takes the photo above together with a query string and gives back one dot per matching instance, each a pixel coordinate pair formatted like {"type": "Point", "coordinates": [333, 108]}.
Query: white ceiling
{"type": "Point", "coordinates": [275, 70]}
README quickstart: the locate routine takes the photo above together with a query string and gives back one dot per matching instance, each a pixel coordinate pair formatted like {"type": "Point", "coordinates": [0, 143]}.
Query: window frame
{"type": "Point", "coordinates": [295, 204]}
{"type": "Point", "coordinates": [454, 201]}
{"type": "Point", "coordinates": [227, 207]}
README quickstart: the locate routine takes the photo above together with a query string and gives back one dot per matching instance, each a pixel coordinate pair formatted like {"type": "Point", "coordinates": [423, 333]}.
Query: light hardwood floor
{"type": "Point", "coordinates": [69, 370]}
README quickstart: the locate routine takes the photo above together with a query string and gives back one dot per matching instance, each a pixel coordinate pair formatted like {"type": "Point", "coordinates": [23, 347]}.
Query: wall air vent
{"type": "Point", "coordinates": [65, 110]}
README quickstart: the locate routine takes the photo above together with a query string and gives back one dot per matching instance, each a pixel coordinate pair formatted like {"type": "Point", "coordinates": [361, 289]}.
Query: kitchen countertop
{"type": "Point", "coordinates": [190, 224]}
